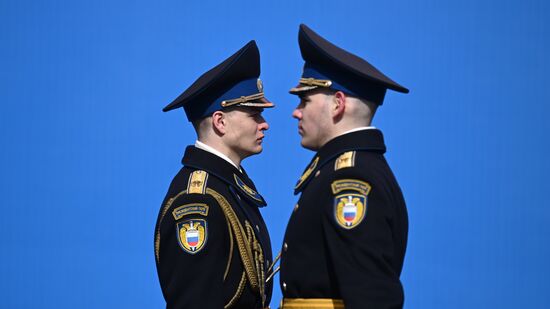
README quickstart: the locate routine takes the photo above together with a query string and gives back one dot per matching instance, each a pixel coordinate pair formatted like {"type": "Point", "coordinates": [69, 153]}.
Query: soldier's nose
{"type": "Point", "coordinates": [297, 114]}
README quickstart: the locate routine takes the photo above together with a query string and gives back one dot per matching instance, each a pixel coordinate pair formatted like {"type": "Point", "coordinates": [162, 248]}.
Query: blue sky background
{"type": "Point", "coordinates": [87, 155]}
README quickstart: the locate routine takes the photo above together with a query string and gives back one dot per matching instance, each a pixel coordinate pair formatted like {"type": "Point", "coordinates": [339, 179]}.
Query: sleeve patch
{"type": "Point", "coordinates": [188, 209]}
{"type": "Point", "coordinates": [192, 235]}
{"type": "Point", "coordinates": [350, 209]}
{"type": "Point", "coordinates": [350, 185]}
{"type": "Point", "coordinates": [347, 159]}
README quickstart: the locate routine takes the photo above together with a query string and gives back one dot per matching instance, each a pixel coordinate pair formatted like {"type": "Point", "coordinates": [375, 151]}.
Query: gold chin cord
{"type": "Point", "coordinates": [316, 82]}
{"type": "Point", "coordinates": [270, 271]}
{"type": "Point", "coordinates": [243, 99]}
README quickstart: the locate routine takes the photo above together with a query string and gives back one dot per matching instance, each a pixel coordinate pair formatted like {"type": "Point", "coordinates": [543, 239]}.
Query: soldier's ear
{"type": "Point", "coordinates": [339, 104]}
{"type": "Point", "coordinates": [219, 122]}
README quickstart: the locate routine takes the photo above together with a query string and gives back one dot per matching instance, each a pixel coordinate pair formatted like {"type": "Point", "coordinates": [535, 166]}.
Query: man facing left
{"type": "Point", "coordinates": [212, 247]}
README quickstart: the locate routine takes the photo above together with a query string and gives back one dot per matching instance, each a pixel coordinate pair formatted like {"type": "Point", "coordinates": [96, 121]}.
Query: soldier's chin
{"type": "Point", "coordinates": [256, 150]}
{"type": "Point", "coordinates": [308, 145]}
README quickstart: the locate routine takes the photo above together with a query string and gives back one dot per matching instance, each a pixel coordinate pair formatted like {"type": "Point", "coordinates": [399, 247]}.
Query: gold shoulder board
{"type": "Point", "coordinates": [197, 182]}
{"type": "Point", "coordinates": [347, 159]}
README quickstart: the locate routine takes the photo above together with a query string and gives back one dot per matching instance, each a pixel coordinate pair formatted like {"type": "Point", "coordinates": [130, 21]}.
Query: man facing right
{"type": "Point", "coordinates": [345, 241]}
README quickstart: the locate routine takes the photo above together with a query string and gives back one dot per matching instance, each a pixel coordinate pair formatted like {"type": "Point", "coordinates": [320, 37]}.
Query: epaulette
{"type": "Point", "coordinates": [347, 159]}
{"type": "Point", "coordinates": [197, 182]}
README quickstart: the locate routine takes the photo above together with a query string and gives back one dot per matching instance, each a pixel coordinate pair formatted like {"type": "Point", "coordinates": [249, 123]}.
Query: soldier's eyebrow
{"type": "Point", "coordinates": [255, 111]}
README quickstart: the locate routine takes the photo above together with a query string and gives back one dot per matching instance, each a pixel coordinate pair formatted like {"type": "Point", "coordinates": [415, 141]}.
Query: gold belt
{"type": "Point", "coordinates": [311, 303]}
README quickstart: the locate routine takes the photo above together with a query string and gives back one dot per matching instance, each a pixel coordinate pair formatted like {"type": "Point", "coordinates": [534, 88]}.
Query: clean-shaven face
{"type": "Point", "coordinates": [245, 130]}
{"type": "Point", "coordinates": [314, 119]}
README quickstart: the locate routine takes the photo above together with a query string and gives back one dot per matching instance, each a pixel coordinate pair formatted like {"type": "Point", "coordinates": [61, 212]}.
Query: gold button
{"type": "Point", "coordinates": [284, 286]}
{"type": "Point", "coordinates": [317, 173]}
{"type": "Point", "coordinates": [285, 246]}
{"type": "Point", "coordinates": [296, 207]}
{"type": "Point", "coordinates": [257, 227]}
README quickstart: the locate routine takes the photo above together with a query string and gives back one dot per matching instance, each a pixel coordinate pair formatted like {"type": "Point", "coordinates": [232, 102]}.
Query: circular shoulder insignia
{"type": "Point", "coordinates": [350, 209]}
{"type": "Point", "coordinates": [192, 235]}
{"type": "Point", "coordinates": [260, 85]}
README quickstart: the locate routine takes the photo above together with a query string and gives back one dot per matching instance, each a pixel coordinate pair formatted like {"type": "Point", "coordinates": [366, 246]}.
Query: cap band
{"type": "Point", "coordinates": [314, 77]}
{"type": "Point", "coordinates": [244, 91]}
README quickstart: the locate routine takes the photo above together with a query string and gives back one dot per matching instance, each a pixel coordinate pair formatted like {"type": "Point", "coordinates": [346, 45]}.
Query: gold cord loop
{"type": "Point", "coordinates": [316, 82]}
{"type": "Point", "coordinates": [243, 99]}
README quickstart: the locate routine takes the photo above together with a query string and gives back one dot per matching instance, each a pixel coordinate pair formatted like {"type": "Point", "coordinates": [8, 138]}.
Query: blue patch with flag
{"type": "Point", "coordinates": [192, 235]}
{"type": "Point", "coordinates": [350, 209]}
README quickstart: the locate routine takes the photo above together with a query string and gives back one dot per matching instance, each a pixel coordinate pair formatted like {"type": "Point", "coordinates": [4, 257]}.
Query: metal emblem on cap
{"type": "Point", "coordinates": [260, 85]}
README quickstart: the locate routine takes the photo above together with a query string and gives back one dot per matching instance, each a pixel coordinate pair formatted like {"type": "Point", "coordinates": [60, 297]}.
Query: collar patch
{"type": "Point", "coordinates": [307, 173]}
{"type": "Point", "coordinates": [249, 191]}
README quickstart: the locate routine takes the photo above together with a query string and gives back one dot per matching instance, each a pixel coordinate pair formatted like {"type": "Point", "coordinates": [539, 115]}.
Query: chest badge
{"type": "Point", "coordinates": [192, 235]}
{"type": "Point", "coordinates": [350, 209]}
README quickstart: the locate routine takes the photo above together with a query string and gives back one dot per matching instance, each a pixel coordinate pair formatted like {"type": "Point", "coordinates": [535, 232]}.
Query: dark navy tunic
{"type": "Point", "coordinates": [347, 236]}
{"type": "Point", "coordinates": [212, 246]}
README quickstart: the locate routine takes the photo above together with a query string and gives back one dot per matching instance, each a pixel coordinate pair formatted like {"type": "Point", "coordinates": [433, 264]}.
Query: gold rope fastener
{"type": "Point", "coordinates": [270, 271]}
{"type": "Point", "coordinates": [245, 251]}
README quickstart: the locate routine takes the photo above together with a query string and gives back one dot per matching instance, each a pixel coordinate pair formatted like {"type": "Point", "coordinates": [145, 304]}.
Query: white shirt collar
{"type": "Point", "coordinates": [359, 129]}
{"type": "Point", "coordinates": [211, 149]}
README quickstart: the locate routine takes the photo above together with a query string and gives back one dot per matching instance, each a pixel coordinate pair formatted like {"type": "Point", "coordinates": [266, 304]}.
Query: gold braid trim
{"type": "Point", "coordinates": [164, 210]}
{"type": "Point", "coordinates": [240, 236]}
{"type": "Point", "coordinates": [258, 259]}
{"type": "Point", "coordinates": [237, 295]}
{"type": "Point", "coordinates": [230, 252]}
{"type": "Point", "coordinates": [243, 99]}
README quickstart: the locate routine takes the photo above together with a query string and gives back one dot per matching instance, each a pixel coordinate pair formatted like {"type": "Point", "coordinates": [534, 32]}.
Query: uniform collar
{"type": "Point", "coordinates": [359, 129]}
{"type": "Point", "coordinates": [224, 170]}
{"type": "Point", "coordinates": [213, 150]}
{"type": "Point", "coordinates": [363, 139]}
